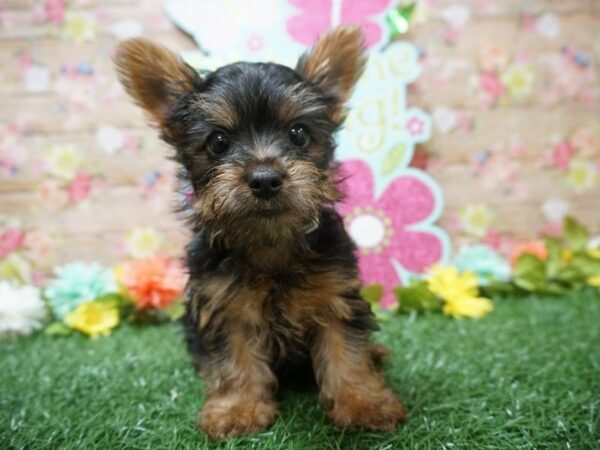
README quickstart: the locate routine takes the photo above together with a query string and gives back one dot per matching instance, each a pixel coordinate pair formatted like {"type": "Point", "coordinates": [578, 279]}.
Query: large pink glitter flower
{"type": "Point", "coordinates": [317, 16]}
{"type": "Point", "coordinates": [381, 227]}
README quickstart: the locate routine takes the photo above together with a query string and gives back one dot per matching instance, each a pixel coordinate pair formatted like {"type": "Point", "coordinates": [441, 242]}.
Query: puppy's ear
{"type": "Point", "coordinates": [154, 76]}
{"type": "Point", "coordinates": [335, 63]}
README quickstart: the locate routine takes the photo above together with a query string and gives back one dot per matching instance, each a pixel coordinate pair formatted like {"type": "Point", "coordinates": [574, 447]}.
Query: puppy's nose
{"type": "Point", "coordinates": [265, 183]}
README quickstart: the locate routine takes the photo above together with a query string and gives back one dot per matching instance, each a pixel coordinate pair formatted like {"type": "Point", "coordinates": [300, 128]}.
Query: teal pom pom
{"type": "Point", "coordinates": [76, 283]}
{"type": "Point", "coordinates": [484, 261]}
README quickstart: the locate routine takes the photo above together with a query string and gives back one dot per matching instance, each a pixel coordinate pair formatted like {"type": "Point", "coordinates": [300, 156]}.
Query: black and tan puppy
{"type": "Point", "coordinates": [273, 282]}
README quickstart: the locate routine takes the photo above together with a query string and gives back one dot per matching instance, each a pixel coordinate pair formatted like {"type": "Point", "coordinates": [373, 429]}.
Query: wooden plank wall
{"type": "Point", "coordinates": [131, 185]}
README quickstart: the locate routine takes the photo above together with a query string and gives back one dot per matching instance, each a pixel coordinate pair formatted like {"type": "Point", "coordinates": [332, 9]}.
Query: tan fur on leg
{"type": "Point", "coordinates": [240, 390]}
{"type": "Point", "coordinates": [379, 355]}
{"type": "Point", "coordinates": [350, 386]}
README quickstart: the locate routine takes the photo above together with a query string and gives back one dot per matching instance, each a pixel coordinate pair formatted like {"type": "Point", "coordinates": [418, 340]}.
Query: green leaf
{"type": "Point", "coordinates": [495, 288]}
{"type": "Point", "coordinates": [120, 301]}
{"type": "Point", "coordinates": [372, 293]}
{"type": "Point", "coordinates": [416, 297]}
{"type": "Point", "coordinates": [570, 276]}
{"type": "Point", "coordinates": [176, 310]}
{"type": "Point", "coordinates": [530, 273]}
{"type": "Point", "coordinates": [554, 287]}
{"type": "Point", "coordinates": [575, 234]}
{"type": "Point", "coordinates": [585, 264]}
{"type": "Point", "coordinates": [151, 316]}
{"type": "Point", "coordinates": [57, 329]}
{"type": "Point", "coordinates": [393, 159]}
{"type": "Point", "coordinates": [553, 262]}
{"type": "Point", "coordinates": [398, 19]}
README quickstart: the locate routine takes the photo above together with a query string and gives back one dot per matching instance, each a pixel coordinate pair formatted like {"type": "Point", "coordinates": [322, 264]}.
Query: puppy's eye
{"type": "Point", "coordinates": [299, 136]}
{"type": "Point", "coordinates": [218, 142]}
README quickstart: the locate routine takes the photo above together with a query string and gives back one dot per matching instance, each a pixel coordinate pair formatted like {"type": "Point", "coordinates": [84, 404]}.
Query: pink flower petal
{"type": "Point", "coordinates": [562, 154]}
{"type": "Point", "coordinates": [55, 10]}
{"type": "Point", "coordinates": [80, 187]}
{"type": "Point", "coordinates": [407, 200]}
{"type": "Point", "coordinates": [491, 84]}
{"type": "Point", "coordinates": [314, 19]}
{"type": "Point", "coordinates": [416, 251]}
{"type": "Point", "coordinates": [371, 30]}
{"type": "Point", "coordinates": [10, 240]}
{"type": "Point", "coordinates": [356, 185]}
{"type": "Point", "coordinates": [361, 13]}
{"type": "Point", "coordinates": [378, 269]}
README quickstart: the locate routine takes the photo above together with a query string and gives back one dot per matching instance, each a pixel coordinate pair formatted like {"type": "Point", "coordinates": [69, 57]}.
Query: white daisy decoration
{"type": "Point", "coordinates": [22, 310]}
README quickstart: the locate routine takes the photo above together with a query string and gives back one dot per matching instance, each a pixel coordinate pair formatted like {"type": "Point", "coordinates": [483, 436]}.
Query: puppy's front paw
{"type": "Point", "coordinates": [382, 411]}
{"type": "Point", "coordinates": [222, 418]}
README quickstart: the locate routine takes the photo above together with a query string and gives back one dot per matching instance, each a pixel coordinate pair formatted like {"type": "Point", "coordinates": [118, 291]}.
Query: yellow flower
{"type": "Point", "coordinates": [566, 256]}
{"type": "Point", "coordinates": [94, 318]}
{"type": "Point", "coordinates": [79, 27]}
{"type": "Point", "coordinates": [582, 175]}
{"type": "Point", "coordinates": [594, 280]}
{"type": "Point", "coordinates": [476, 219]}
{"type": "Point", "coordinates": [143, 242]}
{"type": "Point", "coordinates": [450, 285]}
{"type": "Point", "coordinates": [519, 81]}
{"type": "Point", "coordinates": [15, 268]}
{"type": "Point", "coordinates": [473, 307]}
{"type": "Point", "coordinates": [63, 161]}
{"type": "Point", "coordinates": [458, 291]}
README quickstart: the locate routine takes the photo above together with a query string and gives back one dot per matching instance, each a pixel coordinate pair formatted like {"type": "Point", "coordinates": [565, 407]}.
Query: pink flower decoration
{"type": "Point", "coordinates": [493, 238]}
{"type": "Point", "coordinates": [10, 240]}
{"type": "Point", "coordinates": [464, 122]}
{"type": "Point", "coordinates": [562, 154]}
{"type": "Point", "coordinates": [415, 126]}
{"type": "Point", "coordinates": [552, 229]}
{"type": "Point", "coordinates": [586, 141]}
{"type": "Point", "coordinates": [131, 142]}
{"type": "Point", "coordinates": [53, 195]}
{"type": "Point", "coordinates": [452, 35]}
{"type": "Point", "coordinates": [39, 245]}
{"type": "Point", "coordinates": [24, 61]}
{"type": "Point", "coordinates": [527, 22]}
{"type": "Point", "coordinates": [255, 43]}
{"type": "Point", "coordinates": [316, 18]}
{"type": "Point", "coordinates": [381, 226]}
{"type": "Point", "coordinates": [491, 84]}
{"type": "Point", "coordinates": [80, 187]}
{"type": "Point", "coordinates": [55, 10]}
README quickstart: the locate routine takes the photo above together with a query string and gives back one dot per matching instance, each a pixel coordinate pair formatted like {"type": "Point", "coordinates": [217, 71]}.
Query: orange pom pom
{"type": "Point", "coordinates": [535, 248]}
{"type": "Point", "coordinates": [153, 282]}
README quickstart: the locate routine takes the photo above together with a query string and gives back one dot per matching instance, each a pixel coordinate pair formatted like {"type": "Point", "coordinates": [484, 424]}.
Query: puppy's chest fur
{"type": "Point", "coordinates": [279, 310]}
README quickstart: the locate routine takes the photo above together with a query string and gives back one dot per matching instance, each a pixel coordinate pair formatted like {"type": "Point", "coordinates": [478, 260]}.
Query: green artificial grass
{"type": "Point", "coordinates": [526, 376]}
